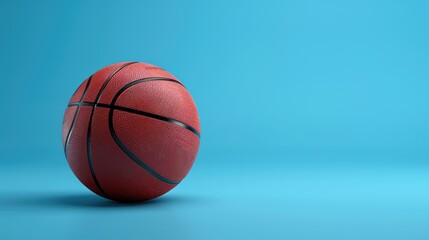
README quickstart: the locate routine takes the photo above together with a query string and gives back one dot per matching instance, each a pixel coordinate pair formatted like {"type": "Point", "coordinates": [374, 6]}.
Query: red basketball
{"type": "Point", "coordinates": [131, 132]}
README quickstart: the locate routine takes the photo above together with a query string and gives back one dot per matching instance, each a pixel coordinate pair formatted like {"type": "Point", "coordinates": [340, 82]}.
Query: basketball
{"type": "Point", "coordinates": [131, 132]}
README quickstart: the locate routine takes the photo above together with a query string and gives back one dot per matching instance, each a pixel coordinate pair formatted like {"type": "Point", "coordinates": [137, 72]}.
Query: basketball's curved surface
{"type": "Point", "coordinates": [131, 132]}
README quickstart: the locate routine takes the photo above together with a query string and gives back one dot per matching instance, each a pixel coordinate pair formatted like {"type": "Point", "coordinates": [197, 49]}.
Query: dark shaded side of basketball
{"type": "Point", "coordinates": [131, 132]}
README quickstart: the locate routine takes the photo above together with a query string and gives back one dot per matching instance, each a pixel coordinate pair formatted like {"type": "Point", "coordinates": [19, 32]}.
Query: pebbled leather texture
{"type": "Point", "coordinates": [131, 132]}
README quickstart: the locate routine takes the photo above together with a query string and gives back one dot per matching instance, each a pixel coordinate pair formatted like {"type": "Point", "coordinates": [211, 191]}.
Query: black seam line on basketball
{"type": "Point", "coordinates": [110, 78]}
{"type": "Point", "coordinates": [143, 113]}
{"type": "Point", "coordinates": [66, 143]}
{"type": "Point", "coordinates": [121, 145]}
{"type": "Point", "coordinates": [88, 136]}
{"type": "Point", "coordinates": [133, 156]}
{"type": "Point", "coordinates": [147, 114]}
{"type": "Point", "coordinates": [79, 87]}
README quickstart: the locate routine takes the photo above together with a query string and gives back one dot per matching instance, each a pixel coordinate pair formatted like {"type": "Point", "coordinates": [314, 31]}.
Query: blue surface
{"type": "Point", "coordinates": [314, 117]}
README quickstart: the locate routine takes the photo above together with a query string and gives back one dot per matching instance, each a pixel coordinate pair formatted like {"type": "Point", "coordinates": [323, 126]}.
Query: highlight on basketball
{"type": "Point", "coordinates": [131, 132]}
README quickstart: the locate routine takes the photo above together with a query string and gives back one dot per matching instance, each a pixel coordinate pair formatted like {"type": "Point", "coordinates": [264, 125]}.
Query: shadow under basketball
{"type": "Point", "coordinates": [89, 200]}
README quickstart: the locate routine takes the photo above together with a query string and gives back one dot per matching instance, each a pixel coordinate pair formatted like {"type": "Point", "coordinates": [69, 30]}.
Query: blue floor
{"type": "Point", "coordinates": [255, 201]}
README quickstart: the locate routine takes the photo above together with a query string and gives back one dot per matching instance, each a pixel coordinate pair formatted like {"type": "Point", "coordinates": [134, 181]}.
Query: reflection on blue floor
{"type": "Point", "coordinates": [301, 201]}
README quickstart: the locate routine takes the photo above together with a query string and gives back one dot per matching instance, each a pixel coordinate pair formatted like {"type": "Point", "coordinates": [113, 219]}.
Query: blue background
{"type": "Point", "coordinates": [314, 117]}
